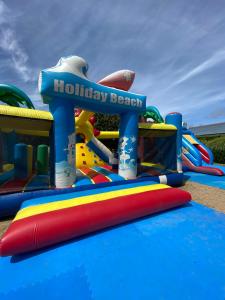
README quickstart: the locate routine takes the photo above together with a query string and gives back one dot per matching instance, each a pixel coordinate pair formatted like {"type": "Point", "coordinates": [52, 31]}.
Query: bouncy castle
{"type": "Point", "coordinates": [59, 175]}
{"type": "Point", "coordinates": [98, 214]}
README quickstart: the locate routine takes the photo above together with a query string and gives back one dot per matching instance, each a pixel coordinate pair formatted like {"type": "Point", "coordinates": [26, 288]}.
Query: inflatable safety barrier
{"type": "Point", "coordinates": [68, 216]}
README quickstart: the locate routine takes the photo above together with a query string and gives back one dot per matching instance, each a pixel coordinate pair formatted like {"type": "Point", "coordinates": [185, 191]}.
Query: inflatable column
{"type": "Point", "coordinates": [176, 120]}
{"type": "Point", "coordinates": [66, 86]}
{"type": "Point", "coordinates": [29, 160]}
{"type": "Point", "coordinates": [128, 145]}
{"type": "Point", "coordinates": [11, 141]}
{"type": "Point", "coordinates": [42, 160]}
{"type": "Point", "coordinates": [64, 143]}
{"type": "Point", "coordinates": [52, 156]}
{"type": "Point", "coordinates": [1, 151]}
{"type": "Point", "coordinates": [21, 161]}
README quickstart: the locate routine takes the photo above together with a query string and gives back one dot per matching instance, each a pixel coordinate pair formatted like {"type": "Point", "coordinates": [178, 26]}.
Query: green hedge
{"type": "Point", "coordinates": [107, 122]}
{"type": "Point", "coordinates": [217, 145]}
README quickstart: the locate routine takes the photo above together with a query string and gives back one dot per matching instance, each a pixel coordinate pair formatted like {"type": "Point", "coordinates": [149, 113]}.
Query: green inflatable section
{"type": "Point", "coordinates": [153, 113]}
{"type": "Point", "coordinates": [42, 160]}
{"type": "Point", "coordinates": [11, 95]}
{"type": "Point", "coordinates": [1, 152]}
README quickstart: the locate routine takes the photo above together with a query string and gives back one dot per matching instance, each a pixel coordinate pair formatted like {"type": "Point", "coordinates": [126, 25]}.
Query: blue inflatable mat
{"type": "Point", "coordinates": [177, 254]}
{"type": "Point", "coordinates": [210, 180]}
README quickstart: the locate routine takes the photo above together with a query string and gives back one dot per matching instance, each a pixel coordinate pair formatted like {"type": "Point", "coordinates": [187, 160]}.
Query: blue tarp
{"type": "Point", "coordinates": [210, 180]}
{"type": "Point", "coordinates": [177, 254]}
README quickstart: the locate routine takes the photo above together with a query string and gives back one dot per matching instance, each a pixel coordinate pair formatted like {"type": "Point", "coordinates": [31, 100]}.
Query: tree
{"type": "Point", "coordinates": [107, 122]}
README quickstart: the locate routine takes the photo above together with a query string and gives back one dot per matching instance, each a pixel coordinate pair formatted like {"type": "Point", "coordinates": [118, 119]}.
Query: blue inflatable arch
{"type": "Point", "coordinates": [65, 87]}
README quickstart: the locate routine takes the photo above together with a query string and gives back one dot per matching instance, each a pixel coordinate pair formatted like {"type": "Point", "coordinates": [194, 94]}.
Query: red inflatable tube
{"type": "Point", "coordinates": [209, 171]}
{"type": "Point", "coordinates": [45, 229]}
{"type": "Point", "coordinates": [204, 153]}
{"type": "Point", "coordinates": [202, 169]}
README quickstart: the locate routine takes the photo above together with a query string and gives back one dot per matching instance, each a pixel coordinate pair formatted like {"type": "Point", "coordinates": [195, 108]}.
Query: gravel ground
{"type": "Point", "coordinates": [209, 196]}
{"type": "Point", "coordinates": [4, 225]}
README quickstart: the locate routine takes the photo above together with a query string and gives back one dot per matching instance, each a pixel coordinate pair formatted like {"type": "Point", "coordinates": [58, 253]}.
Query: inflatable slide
{"type": "Point", "coordinates": [197, 157]}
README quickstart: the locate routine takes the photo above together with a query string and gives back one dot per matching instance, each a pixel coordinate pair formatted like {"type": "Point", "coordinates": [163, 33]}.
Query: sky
{"type": "Point", "coordinates": [175, 47]}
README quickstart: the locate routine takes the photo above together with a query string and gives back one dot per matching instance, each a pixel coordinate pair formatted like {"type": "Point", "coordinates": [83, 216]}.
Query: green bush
{"type": "Point", "coordinates": [217, 145]}
{"type": "Point", "coordinates": [107, 122]}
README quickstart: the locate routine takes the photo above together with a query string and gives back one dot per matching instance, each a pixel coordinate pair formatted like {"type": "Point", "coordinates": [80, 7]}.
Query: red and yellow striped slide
{"type": "Point", "coordinates": [42, 225]}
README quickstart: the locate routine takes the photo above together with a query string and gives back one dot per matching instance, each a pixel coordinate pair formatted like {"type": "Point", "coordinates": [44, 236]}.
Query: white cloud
{"type": "Point", "coordinates": [214, 60]}
{"type": "Point", "coordinates": [4, 12]}
{"type": "Point", "coordinates": [11, 45]}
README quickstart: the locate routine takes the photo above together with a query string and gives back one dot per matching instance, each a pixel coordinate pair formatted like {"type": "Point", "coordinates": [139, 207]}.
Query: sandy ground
{"type": "Point", "coordinates": [209, 196]}
{"type": "Point", "coordinates": [4, 225]}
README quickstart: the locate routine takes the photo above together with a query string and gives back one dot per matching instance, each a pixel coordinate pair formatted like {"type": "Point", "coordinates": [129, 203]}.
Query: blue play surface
{"type": "Point", "coordinates": [177, 254]}
{"type": "Point", "coordinates": [210, 180]}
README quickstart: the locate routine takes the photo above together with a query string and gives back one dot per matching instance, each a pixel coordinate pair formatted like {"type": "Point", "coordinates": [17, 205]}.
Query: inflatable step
{"type": "Point", "coordinates": [47, 223]}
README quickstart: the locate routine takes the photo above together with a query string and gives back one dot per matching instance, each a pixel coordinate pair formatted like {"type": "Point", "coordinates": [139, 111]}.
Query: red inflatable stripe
{"type": "Point", "coordinates": [15, 185]}
{"type": "Point", "coordinates": [49, 228]}
{"type": "Point", "coordinates": [201, 169]}
{"type": "Point", "coordinates": [94, 175]}
{"type": "Point", "coordinates": [204, 153]}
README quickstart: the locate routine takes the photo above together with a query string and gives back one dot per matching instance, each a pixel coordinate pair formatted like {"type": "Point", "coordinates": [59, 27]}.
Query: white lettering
{"type": "Point", "coordinates": [120, 99]}
{"type": "Point", "coordinates": [139, 103]}
{"type": "Point", "coordinates": [127, 101]}
{"type": "Point", "coordinates": [113, 98]}
{"type": "Point", "coordinates": [58, 86]}
{"type": "Point", "coordinates": [104, 96]}
{"type": "Point", "coordinates": [133, 102]}
{"type": "Point", "coordinates": [69, 89]}
{"type": "Point", "coordinates": [88, 93]}
{"type": "Point", "coordinates": [96, 95]}
{"type": "Point", "coordinates": [81, 91]}
{"type": "Point", "coordinates": [77, 89]}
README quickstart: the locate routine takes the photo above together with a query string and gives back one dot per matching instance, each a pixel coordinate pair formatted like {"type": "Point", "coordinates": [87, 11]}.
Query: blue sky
{"type": "Point", "coordinates": [176, 48]}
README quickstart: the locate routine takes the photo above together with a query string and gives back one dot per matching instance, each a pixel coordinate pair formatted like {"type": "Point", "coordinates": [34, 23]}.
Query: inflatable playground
{"type": "Point", "coordinates": [99, 214]}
